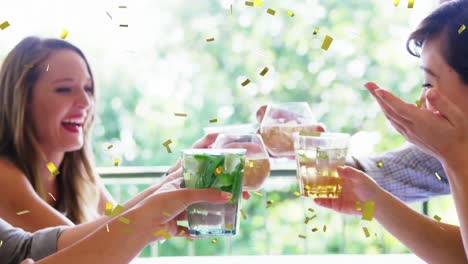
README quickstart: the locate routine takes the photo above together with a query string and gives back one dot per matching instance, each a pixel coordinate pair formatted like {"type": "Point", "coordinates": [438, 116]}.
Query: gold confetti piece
{"type": "Point", "coordinates": [116, 162]}
{"type": "Point", "coordinates": [251, 164]}
{"type": "Point", "coordinates": [47, 68]}
{"type": "Point", "coordinates": [311, 210]}
{"type": "Point", "coordinates": [396, 3]}
{"type": "Point", "coordinates": [181, 233]}
{"type": "Point", "coordinates": [214, 240]}
{"type": "Point", "coordinates": [410, 3]}
{"type": "Point", "coordinates": [290, 13]}
{"type": "Point", "coordinates": [264, 71]}
{"type": "Point", "coordinates": [258, 193]}
{"type": "Point", "coordinates": [107, 227]}
{"type": "Point", "coordinates": [53, 198]}
{"type": "Point", "coordinates": [258, 2]}
{"type": "Point", "coordinates": [4, 25]}
{"type": "Point", "coordinates": [23, 212]}
{"type": "Point", "coordinates": [109, 15]}
{"type": "Point", "coordinates": [218, 170]}
{"type": "Point", "coordinates": [108, 210]}
{"type": "Point", "coordinates": [438, 176]}
{"type": "Point", "coordinates": [231, 9]}
{"type": "Point", "coordinates": [271, 11]}
{"type": "Point", "coordinates": [167, 142]}
{"type": "Point", "coordinates": [168, 149]}
{"type": "Point", "coordinates": [122, 6]}
{"type": "Point", "coordinates": [437, 218]}
{"type": "Point", "coordinates": [163, 233]}
{"type": "Point", "coordinates": [110, 146]}
{"type": "Point", "coordinates": [418, 103]}
{"type": "Point", "coordinates": [316, 30]}
{"type": "Point", "coordinates": [244, 83]}
{"type": "Point", "coordinates": [209, 39]}
{"type": "Point", "coordinates": [327, 42]}
{"type": "Point", "coordinates": [461, 29]}
{"type": "Point", "coordinates": [297, 193]}
{"type": "Point", "coordinates": [248, 3]}
{"type": "Point", "coordinates": [124, 220]}
{"type": "Point", "coordinates": [244, 215]}
{"type": "Point", "coordinates": [214, 120]}
{"type": "Point", "coordinates": [28, 66]}
{"type": "Point", "coordinates": [368, 211]}
{"type": "Point", "coordinates": [324, 228]}
{"type": "Point", "coordinates": [380, 164]}
{"type": "Point", "coordinates": [117, 210]}
{"type": "Point", "coordinates": [270, 203]}
{"type": "Point", "coordinates": [52, 169]}
{"type": "Point", "coordinates": [228, 226]}
{"type": "Point", "coordinates": [302, 236]}
{"type": "Point", "coordinates": [180, 114]}
{"type": "Point", "coordinates": [312, 217]}
{"type": "Point", "coordinates": [1, 243]}
{"type": "Point", "coordinates": [306, 220]}
{"type": "Point", "coordinates": [64, 34]}
{"type": "Point", "coordinates": [358, 206]}
{"type": "Point", "coordinates": [366, 232]}
{"type": "Point", "coordinates": [314, 229]}
{"type": "Point", "coordinates": [123, 25]}
{"type": "Point", "coordinates": [166, 214]}
{"type": "Point", "coordinates": [190, 239]}
{"type": "Point", "coordinates": [307, 187]}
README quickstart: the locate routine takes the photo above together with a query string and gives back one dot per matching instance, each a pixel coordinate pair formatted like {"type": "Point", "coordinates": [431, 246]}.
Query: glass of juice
{"type": "Point", "coordinates": [317, 157]}
{"type": "Point", "coordinates": [221, 169]}
{"type": "Point", "coordinates": [257, 164]}
{"type": "Point", "coordinates": [279, 124]}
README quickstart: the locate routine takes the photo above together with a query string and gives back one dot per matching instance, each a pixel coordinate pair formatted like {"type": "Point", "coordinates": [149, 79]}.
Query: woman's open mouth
{"type": "Point", "coordinates": [73, 125]}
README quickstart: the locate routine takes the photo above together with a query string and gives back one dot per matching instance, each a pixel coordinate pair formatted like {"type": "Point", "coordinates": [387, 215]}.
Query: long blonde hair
{"type": "Point", "coordinates": [77, 182]}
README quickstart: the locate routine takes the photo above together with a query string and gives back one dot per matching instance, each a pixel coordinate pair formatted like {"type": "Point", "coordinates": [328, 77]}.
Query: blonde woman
{"type": "Point", "coordinates": [47, 109]}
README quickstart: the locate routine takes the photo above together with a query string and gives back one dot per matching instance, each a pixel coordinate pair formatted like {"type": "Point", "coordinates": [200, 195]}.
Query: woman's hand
{"type": "Point", "coordinates": [357, 186]}
{"type": "Point", "coordinates": [441, 130]}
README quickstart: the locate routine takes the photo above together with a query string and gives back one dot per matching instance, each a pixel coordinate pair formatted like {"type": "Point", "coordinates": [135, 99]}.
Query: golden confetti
{"type": "Point", "coordinates": [380, 164]}
{"type": "Point", "coordinates": [366, 232]}
{"type": "Point", "coordinates": [358, 205]}
{"type": "Point", "coordinates": [218, 170]}
{"type": "Point", "coordinates": [461, 29]}
{"type": "Point", "coordinates": [52, 169]}
{"type": "Point", "coordinates": [181, 233]}
{"type": "Point", "coordinates": [180, 114]}
{"type": "Point", "coordinates": [312, 217]}
{"type": "Point", "coordinates": [290, 13]}
{"type": "Point", "coordinates": [190, 239]}
{"type": "Point", "coordinates": [368, 211]}
{"type": "Point", "coordinates": [122, 6]}
{"type": "Point", "coordinates": [270, 203]}
{"type": "Point", "coordinates": [314, 229]}
{"type": "Point", "coordinates": [108, 210]}
{"type": "Point", "coordinates": [306, 220]}
{"type": "Point", "coordinates": [23, 212]}
{"type": "Point", "coordinates": [53, 198]}
{"type": "Point", "coordinates": [244, 83]}
{"type": "Point", "coordinates": [327, 42]}
{"type": "Point", "coordinates": [307, 187]}
{"type": "Point", "coordinates": [64, 34]}
{"type": "Point", "coordinates": [166, 214]}
{"type": "Point", "coordinates": [28, 66]}
{"type": "Point", "coordinates": [210, 39]}
{"type": "Point", "coordinates": [116, 162]}
{"type": "Point", "coordinates": [166, 144]}
{"type": "Point", "coordinates": [4, 25]}
{"type": "Point", "coordinates": [110, 146]}
{"type": "Point", "coordinates": [258, 2]}
{"type": "Point", "coordinates": [251, 164]}
{"type": "Point", "coordinates": [163, 233]}
{"type": "Point", "coordinates": [124, 220]}
{"type": "Point", "coordinates": [109, 15]}
{"type": "Point", "coordinates": [396, 3]}
{"type": "Point", "coordinates": [214, 120]}
{"type": "Point", "coordinates": [410, 3]}
{"type": "Point", "coordinates": [316, 30]}
{"type": "Point", "coordinates": [437, 218]}
{"type": "Point", "coordinates": [297, 193]}
{"type": "Point", "coordinates": [214, 240]}
{"type": "Point", "coordinates": [418, 103]}
{"type": "Point", "coordinates": [324, 228]}
{"type": "Point", "coordinates": [123, 25]}
{"type": "Point", "coordinates": [302, 236]}
{"type": "Point", "coordinates": [258, 193]}
{"type": "Point", "coordinates": [47, 69]}
{"type": "Point", "coordinates": [117, 210]}
{"type": "Point", "coordinates": [107, 227]}
{"type": "Point", "coordinates": [231, 9]}
{"type": "Point", "coordinates": [244, 215]}
{"type": "Point", "coordinates": [271, 11]}
{"type": "Point", "coordinates": [248, 3]}
{"type": "Point", "coordinates": [438, 176]}
{"type": "Point", "coordinates": [228, 226]}
{"type": "Point", "coordinates": [264, 71]}
{"type": "Point", "coordinates": [311, 210]}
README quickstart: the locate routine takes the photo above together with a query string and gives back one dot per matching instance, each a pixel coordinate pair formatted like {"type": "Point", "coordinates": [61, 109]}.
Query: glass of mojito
{"type": "Point", "coordinates": [221, 169]}
{"type": "Point", "coordinates": [317, 157]}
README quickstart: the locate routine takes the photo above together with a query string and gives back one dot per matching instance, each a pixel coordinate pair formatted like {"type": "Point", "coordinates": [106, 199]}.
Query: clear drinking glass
{"type": "Point", "coordinates": [221, 169]}
{"type": "Point", "coordinates": [257, 164]}
{"type": "Point", "coordinates": [317, 157]}
{"type": "Point", "coordinates": [279, 124]}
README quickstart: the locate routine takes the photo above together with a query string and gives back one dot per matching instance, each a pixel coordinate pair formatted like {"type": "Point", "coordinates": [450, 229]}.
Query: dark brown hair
{"type": "Point", "coordinates": [445, 22]}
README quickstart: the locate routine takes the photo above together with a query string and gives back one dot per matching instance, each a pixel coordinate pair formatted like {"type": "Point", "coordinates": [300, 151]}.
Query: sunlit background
{"type": "Point", "coordinates": [161, 63]}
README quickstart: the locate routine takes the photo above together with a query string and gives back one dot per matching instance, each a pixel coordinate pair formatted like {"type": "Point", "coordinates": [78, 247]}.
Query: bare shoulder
{"type": "Point", "coordinates": [11, 176]}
